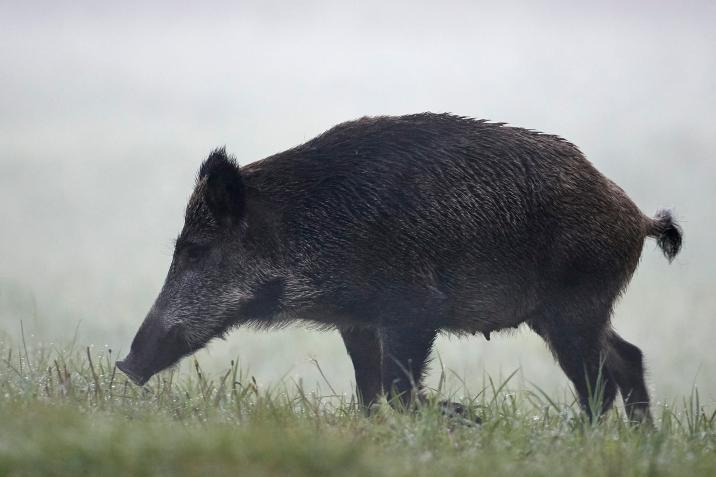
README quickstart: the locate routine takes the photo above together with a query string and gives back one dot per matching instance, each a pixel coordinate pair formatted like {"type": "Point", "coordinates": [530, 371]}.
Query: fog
{"type": "Point", "coordinates": [107, 111]}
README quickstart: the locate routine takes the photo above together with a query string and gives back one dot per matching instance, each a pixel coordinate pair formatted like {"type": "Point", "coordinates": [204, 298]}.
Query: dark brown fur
{"type": "Point", "coordinates": [394, 228]}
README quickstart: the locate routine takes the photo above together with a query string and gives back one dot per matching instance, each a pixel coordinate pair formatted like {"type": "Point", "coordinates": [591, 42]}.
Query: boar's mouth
{"type": "Point", "coordinates": [153, 350]}
{"type": "Point", "coordinates": [126, 367]}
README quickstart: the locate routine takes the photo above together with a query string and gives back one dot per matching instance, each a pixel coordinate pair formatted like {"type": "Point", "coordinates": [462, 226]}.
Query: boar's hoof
{"type": "Point", "coordinates": [458, 411]}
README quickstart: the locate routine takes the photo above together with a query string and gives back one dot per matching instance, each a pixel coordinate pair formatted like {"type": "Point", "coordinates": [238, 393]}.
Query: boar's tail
{"type": "Point", "coordinates": [667, 233]}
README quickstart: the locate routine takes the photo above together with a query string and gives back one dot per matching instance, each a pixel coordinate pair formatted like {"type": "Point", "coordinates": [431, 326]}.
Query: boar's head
{"type": "Point", "coordinates": [216, 278]}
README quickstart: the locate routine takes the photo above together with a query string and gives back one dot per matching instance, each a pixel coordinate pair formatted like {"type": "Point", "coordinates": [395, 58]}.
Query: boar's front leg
{"type": "Point", "coordinates": [405, 354]}
{"type": "Point", "coordinates": [364, 348]}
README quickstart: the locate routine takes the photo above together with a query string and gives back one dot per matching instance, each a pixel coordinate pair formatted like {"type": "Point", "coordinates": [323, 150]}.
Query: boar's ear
{"type": "Point", "coordinates": [224, 193]}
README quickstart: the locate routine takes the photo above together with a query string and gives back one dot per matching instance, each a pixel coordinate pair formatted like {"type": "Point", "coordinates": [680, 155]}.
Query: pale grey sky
{"type": "Point", "coordinates": [107, 109]}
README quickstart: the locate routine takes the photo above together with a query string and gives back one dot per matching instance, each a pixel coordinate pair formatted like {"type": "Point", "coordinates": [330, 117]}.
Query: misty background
{"type": "Point", "coordinates": [107, 110]}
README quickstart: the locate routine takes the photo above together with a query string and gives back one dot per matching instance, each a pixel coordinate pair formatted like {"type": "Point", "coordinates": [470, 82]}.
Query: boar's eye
{"type": "Point", "coordinates": [191, 253]}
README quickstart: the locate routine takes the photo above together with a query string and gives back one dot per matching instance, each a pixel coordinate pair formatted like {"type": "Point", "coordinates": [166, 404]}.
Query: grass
{"type": "Point", "coordinates": [67, 411]}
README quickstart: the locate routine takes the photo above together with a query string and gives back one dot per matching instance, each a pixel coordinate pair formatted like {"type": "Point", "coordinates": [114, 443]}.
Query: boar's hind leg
{"type": "Point", "coordinates": [575, 337]}
{"type": "Point", "coordinates": [405, 355]}
{"type": "Point", "coordinates": [626, 365]}
{"type": "Point", "coordinates": [364, 348]}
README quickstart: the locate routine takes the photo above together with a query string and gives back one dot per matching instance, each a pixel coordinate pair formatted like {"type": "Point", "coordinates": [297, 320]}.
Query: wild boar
{"type": "Point", "coordinates": [392, 229]}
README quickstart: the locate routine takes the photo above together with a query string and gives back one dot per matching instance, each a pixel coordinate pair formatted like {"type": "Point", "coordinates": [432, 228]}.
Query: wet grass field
{"type": "Point", "coordinates": [106, 113]}
{"type": "Point", "coordinates": [66, 410]}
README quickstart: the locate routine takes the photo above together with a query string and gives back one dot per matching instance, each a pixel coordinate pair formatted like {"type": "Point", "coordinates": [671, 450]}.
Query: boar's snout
{"type": "Point", "coordinates": [129, 367]}
{"type": "Point", "coordinates": [154, 348]}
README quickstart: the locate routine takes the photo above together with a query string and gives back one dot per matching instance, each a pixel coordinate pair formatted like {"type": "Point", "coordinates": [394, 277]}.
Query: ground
{"type": "Point", "coordinates": [67, 411]}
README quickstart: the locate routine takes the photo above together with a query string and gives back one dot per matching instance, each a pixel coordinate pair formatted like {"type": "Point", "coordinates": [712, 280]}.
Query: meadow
{"type": "Point", "coordinates": [66, 410]}
{"type": "Point", "coordinates": [106, 112]}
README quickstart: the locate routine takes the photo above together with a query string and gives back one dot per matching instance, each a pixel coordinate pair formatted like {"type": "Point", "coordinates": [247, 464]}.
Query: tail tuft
{"type": "Point", "coordinates": [667, 233]}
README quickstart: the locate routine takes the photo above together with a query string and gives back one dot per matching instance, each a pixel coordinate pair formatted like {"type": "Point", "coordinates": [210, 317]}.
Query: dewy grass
{"type": "Point", "coordinates": [69, 412]}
